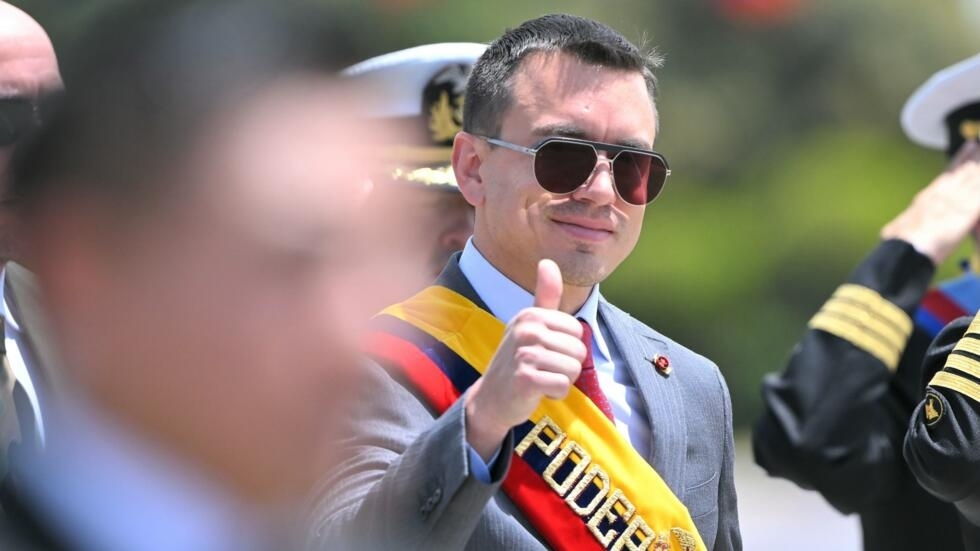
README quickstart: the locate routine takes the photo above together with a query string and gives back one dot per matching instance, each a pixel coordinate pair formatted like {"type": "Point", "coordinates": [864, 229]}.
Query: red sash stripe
{"type": "Point", "coordinates": [561, 527]}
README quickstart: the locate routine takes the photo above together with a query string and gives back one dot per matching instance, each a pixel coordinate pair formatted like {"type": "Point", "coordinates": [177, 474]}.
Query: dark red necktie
{"type": "Point", "coordinates": [588, 381]}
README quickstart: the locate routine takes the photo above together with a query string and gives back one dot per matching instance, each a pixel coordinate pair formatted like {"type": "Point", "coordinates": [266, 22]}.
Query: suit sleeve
{"type": "Point", "coordinates": [729, 535]}
{"type": "Point", "coordinates": [405, 481]}
{"type": "Point", "coordinates": [942, 447]}
{"type": "Point", "coordinates": [835, 418]}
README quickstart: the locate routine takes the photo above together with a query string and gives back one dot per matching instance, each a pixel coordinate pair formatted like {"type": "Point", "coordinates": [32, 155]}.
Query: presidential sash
{"type": "Point", "coordinates": [573, 475]}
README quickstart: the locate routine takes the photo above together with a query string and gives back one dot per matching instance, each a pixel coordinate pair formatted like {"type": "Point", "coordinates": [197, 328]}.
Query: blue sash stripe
{"type": "Point", "coordinates": [459, 373]}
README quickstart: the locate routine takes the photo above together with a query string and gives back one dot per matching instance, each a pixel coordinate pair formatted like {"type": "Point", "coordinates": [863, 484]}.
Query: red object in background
{"type": "Point", "coordinates": [760, 12]}
{"type": "Point", "coordinates": [401, 5]}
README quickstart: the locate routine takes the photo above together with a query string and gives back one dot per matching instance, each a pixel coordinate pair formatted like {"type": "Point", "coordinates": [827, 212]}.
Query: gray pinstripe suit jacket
{"type": "Point", "coordinates": [407, 483]}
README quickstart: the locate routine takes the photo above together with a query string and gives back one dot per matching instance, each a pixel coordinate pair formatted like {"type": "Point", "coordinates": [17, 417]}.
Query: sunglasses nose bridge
{"type": "Point", "coordinates": [589, 185]}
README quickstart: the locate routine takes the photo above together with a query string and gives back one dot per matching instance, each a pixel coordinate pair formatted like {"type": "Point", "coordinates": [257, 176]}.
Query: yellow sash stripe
{"type": "Point", "coordinates": [474, 334]}
{"type": "Point", "coordinates": [955, 382]}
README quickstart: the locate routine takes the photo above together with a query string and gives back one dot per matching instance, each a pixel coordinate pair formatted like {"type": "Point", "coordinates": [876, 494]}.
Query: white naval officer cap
{"type": "Point", "coordinates": [419, 90]}
{"type": "Point", "coordinates": [945, 111]}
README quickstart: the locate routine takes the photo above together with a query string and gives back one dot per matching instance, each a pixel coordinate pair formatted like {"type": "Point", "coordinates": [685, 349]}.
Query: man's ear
{"type": "Point", "coordinates": [468, 151]}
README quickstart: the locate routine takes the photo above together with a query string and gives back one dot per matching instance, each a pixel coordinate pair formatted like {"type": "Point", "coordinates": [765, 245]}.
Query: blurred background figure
{"type": "Point", "coordinates": [192, 214]}
{"type": "Point", "coordinates": [415, 207]}
{"type": "Point", "coordinates": [835, 420]}
{"type": "Point", "coordinates": [28, 77]}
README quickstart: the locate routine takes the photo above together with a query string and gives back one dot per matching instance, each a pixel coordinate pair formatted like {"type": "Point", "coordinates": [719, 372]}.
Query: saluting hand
{"type": "Point", "coordinates": [946, 211]}
{"type": "Point", "coordinates": [540, 356]}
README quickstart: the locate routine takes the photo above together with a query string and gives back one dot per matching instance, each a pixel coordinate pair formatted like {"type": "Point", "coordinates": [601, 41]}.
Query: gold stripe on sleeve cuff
{"type": "Point", "coordinates": [877, 304]}
{"type": "Point", "coordinates": [868, 319]}
{"type": "Point", "coordinates": [856, 335]}
{"type": "Point", "coordinates": [957, 383]}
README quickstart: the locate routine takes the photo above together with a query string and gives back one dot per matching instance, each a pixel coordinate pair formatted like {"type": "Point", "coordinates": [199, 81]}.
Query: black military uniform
{"type": "Point", "coordinates": [942, 448]}
{"type": "Point", "coordinates": [835, 420]}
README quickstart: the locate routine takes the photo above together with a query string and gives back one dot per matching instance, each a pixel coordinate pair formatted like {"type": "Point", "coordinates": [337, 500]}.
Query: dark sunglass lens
{"type": "Point", "coordinates": [639, 177]}
{"type": "Point", "coordinates": [561, 167]}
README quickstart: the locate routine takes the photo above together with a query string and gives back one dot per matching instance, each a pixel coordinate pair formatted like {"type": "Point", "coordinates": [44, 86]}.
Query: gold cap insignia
{"type": "Point", "coordinates": [970, 130]}
{"type": "Point", "coordinates": [933, 409]}
{"type": "Point", "coordinates": [442, 103]}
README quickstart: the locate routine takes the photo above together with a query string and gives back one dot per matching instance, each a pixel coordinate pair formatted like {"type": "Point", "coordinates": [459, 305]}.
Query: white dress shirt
{"type": "Point", "coordinates": [506, 298]}
{"type": "Point", "coordinates": [21, 358]}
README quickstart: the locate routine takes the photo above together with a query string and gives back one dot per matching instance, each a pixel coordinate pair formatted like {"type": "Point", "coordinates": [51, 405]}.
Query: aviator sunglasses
{"type": "Point", "coordinates": [562, 165]}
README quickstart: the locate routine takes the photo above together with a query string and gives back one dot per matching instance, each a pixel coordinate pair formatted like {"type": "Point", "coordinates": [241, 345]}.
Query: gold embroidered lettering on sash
{"type": "Point", "coordinates": [636, 526]}
{"type": "Point", "coordinates": [535, 437]}
{"type": "Point", "coordinates": [595, 473]}
{"type": "Point", "coordinates": [607, 512]}
{"type": "Point", "coordinates": [564, 455]}
{"type": "Point", "coordinates": [607, 505]}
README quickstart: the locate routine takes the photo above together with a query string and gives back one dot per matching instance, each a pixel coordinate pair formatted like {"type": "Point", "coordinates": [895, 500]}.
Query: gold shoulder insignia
{"type": "Point", "coordinates": [933, 409]}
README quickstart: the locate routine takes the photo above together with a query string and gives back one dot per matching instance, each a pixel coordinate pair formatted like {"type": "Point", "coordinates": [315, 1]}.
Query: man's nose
{"type": "Point", "coordinates": [600, 187]}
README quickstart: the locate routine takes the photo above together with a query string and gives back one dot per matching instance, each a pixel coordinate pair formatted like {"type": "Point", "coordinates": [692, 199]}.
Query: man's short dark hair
{"type": "Point", "coordinates": [143, 86]}
{"type": "Point", "coordinates": [488, 92]}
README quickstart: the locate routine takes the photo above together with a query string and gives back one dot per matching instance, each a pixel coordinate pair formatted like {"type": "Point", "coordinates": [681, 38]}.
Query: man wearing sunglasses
{"type": "Point", "coordinates": [836, 418]}
{"type": "Point", "coordinates": [514, 408]}
{"type": "Point", "coordinates": [28, 74]}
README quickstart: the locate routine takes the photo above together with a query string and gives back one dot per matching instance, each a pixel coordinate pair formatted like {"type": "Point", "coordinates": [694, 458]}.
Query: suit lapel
{"type": "Point", "coordinates": [452, 278]}
{"type": "Point", "coordinates": [662, 400]}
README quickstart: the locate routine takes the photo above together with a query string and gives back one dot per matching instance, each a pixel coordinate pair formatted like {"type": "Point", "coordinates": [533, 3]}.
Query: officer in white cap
{"type": "Point", "coordinates": [941, 447]}
{"type": "Point", "coordinates": [418, 210]}
{"type": "Point", "coordinates": [835, 419]}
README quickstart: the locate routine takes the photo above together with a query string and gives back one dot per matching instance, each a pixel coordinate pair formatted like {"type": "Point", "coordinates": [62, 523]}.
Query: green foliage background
{"type": "Point", "coordinates": [784, 142]}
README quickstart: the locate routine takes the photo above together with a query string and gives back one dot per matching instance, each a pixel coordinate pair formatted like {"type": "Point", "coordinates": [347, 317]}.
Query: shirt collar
{"type": "Point", "coordinates": [5, 311]}
{"type": "Point", "coordinates": [505, 298]}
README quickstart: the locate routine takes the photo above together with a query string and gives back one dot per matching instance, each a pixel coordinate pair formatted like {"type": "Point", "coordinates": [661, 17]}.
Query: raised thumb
{"type": "Point", "coordinates": [548, 289]}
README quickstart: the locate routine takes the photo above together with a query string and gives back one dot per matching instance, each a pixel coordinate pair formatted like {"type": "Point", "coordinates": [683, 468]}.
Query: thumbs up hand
{"type": "Point", "coordinates": [540, 356]}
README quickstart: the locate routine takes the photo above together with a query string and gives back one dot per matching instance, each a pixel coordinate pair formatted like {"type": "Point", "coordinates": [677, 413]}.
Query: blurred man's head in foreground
{"type": "Point", "coordinates": [193, 210]}
{"type": "Point", "coordinates": [28, 74]}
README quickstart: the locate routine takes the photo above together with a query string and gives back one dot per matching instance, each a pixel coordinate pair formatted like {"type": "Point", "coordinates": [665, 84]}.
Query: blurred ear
{"type": "Point", "coordinates": [467, 160]}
